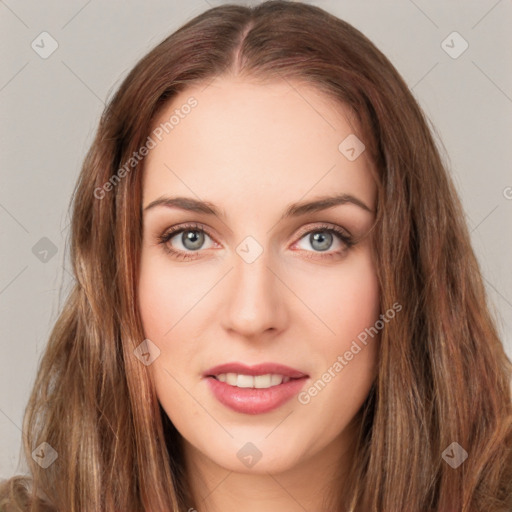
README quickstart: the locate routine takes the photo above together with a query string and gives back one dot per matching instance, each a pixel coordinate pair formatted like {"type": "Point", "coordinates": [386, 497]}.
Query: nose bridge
{"type": "Point", "coordinates": [255, 303]}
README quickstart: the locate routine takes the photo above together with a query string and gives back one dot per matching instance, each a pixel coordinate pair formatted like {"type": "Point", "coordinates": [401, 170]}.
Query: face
{"type": "Point", "coordinates": [258, 283]}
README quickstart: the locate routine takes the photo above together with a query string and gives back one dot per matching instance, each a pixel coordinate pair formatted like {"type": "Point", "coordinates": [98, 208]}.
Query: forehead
{"type": "Point", "coordinates": [254, 143]}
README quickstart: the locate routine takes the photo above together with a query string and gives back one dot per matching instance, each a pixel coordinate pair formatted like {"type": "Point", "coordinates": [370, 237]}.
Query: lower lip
{"type": "Point", "coordinates": [253, 400]}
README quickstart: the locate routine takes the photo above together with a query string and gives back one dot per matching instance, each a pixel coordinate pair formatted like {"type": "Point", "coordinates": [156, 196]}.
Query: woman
{"type": "Point", "coordinates": [238, 366]}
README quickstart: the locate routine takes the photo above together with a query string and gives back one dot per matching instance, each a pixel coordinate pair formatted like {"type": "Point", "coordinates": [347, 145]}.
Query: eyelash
{"type": "Point", "coordinates": [165, 237]}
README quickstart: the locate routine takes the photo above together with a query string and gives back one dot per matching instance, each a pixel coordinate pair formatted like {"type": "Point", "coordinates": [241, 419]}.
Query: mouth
{"type": "Point", "coordinates": [254, 390]}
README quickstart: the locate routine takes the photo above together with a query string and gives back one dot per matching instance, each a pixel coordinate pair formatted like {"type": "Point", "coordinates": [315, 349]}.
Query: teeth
{"type": "Point", "coordinates": [231, 379]}
{"type": "Point", "coordinates": [245, 381]}
{"type": "Point", "coordinates": [276, 379]}
{"type": "Point", "coordinates": [249, 381]}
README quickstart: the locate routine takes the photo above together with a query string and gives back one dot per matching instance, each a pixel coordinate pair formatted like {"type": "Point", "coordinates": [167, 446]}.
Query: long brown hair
{"type": "Point", "coordinates": [443, 375]}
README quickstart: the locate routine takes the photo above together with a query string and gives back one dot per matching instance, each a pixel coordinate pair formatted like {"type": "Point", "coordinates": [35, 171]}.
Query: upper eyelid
{"type": "Point", "coordinates": [324, 226]}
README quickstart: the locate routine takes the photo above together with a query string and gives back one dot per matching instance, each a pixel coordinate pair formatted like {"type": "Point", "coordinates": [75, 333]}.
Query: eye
{"type": "Point", "coordinates": [189, 238]}
{"type": "Point", "coordinates": [321, 240]}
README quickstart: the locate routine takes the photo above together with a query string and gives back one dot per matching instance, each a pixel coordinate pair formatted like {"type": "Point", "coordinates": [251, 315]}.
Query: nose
{"type": "Point", "coordinates": [255, 305]}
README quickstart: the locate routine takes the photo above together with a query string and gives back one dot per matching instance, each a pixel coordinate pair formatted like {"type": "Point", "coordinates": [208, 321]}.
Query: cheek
{"type": "Point", "coordinates": [161, 295]}
{"type": "Point", "coordinates": [169, 300]}
{"type": "Point", "coordinates": [358, 312]}
{"type": "Point", "coordinates": [359, 298]}
{"type": "Point", "coordinates": [346, 356]}
{"type": "Point", "coordinates": [155, 301]}
{"type": "Point", "coordinates": [161, 306]}
{"type": "Point", "coordinates": [346, 299]}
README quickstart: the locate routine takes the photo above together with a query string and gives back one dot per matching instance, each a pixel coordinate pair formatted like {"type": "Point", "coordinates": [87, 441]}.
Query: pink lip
{"type": "Point", "coordinates": [252, 400]}
{"type": "Point", "coordinates": [259, 369]}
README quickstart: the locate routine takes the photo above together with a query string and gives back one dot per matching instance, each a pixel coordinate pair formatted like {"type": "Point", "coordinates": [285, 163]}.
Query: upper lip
{"type": "Point", "coordinates": [258, 369]}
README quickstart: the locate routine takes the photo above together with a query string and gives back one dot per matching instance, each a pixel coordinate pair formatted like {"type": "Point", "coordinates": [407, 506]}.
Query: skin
{"type": "Point", "coordinates": [252, 150]}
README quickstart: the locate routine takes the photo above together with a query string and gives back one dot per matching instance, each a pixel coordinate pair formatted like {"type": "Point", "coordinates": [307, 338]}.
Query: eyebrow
{"type": "Point", "coordinates": [293, 210]}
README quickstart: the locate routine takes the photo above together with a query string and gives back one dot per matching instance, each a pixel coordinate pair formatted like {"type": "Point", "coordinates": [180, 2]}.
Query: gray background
{"type": "Point", "coordinates": [50, 108]}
